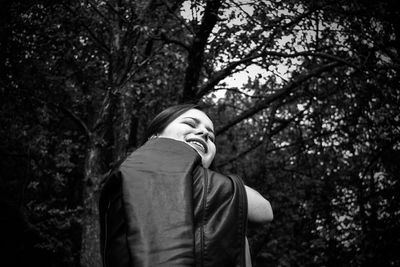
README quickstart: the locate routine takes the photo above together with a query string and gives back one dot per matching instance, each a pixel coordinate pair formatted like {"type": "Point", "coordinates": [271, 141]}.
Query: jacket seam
{"type": "Point", "coordinates": [204, 221]}
{"type": "Point", "coordinates": [105, 233]}
{"type": "Point", "coordinates": [245, 214]}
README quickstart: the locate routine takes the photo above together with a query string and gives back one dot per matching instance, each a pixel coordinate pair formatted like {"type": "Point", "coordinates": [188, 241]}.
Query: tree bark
{"type": "Point", "coordinates": [90, 251]}
{"type": "Point", "coordinates": [122, 128]}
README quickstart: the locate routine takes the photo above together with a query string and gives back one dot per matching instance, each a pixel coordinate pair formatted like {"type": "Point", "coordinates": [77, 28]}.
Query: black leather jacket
{"type": "Point", "coordinates": [161, 208]}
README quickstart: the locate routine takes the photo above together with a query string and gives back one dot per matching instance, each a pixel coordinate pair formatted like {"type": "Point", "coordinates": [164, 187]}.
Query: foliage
{"type": "Point", "coordinates": [315, 130]}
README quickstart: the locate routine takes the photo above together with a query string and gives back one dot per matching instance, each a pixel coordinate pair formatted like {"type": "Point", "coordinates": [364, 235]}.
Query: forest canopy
{"type": "Point", "coordinates": [304, 96]}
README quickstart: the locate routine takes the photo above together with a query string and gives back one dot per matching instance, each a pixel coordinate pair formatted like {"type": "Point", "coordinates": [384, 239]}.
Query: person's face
{"type": "Point", "coordinates": [195, 128]}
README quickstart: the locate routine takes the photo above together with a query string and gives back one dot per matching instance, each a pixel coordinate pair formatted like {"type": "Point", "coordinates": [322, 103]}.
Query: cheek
{"type": "Point", "coordinates": [207, 160]}
{"type": "Point", "coordinates": [213, 150]}
{"type": "Point", "coordinates": [172, 132]}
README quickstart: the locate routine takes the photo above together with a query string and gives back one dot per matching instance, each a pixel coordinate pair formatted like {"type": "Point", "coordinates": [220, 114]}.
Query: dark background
{"type": "Point", "coordinates": [314, 128]}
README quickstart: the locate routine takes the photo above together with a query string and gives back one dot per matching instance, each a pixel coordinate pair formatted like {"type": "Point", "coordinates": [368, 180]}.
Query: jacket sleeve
{"type": "Point", "coordinates": [220, 219]}
{"type": "Point", "coordinates": [156, 204]}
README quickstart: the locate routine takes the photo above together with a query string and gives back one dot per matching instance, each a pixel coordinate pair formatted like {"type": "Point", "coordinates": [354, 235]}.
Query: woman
{"type": "Point", "coordinates": [165, 207]}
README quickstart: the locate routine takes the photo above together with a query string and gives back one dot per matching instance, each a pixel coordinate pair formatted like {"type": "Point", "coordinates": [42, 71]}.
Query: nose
{"type": "Point", "coordinates": [202, 133]}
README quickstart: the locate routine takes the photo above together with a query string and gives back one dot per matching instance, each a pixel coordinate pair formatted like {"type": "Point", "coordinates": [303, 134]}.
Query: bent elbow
{"type": "Point", "coordinates": [261, 214]}
{"type": "Point", "coordinates": [270, 217]}
{"type": "Point", "coordinates": [269, 214]}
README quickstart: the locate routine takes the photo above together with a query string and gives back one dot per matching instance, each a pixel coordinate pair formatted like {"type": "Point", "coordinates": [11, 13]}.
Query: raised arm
{"type": "Point", "coordinates": [259, 209]}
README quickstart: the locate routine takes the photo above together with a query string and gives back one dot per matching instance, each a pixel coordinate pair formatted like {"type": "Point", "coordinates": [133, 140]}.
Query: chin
{"type": "Point", "coordinates": [205, 165]}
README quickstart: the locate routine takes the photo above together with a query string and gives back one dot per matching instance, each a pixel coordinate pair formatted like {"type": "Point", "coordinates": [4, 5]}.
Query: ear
{"type": "Point", "coordinates": [153, 136]}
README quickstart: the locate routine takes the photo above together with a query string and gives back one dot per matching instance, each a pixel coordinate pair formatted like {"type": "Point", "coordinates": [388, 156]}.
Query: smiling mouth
{"type": "Point", "coordinates": [197, 144]}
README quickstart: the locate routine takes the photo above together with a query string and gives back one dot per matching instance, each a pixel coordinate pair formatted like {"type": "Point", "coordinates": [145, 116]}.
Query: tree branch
{"type": "Point", "coordinates": [222, 74]}
{"type": "Point", "coordinates": [283, 125]}
{"type": "Point", "coordinates": [75, 118]}
{"type": "Point", "coordinates": [181, 20]}
{"type": "Point", "coordinates": [129, 74]}
{"type": "Point", "coordinates": [115, 11]}
{"type": "Point", "coordinates": [167, 39]}
{"type": "Point", "coordinates": [92, 5]}
{"type": "Point", "coordinates": [279, 94]}
{"type": "Point", "coordinates": [313, 54]}
{"type": "Point", "coordinates": [237, 91]}
{"type": "Point", "coordinates": [275, 131]}
{"type": "Point", "coordinates": [228, 70]}
{"type": "Point", "coordinates": [70, 114]}
{"type": "Point", "coordinates": [96, 40]}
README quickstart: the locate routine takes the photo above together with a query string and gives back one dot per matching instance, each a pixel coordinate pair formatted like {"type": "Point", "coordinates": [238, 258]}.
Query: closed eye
{"type": "Point", "coordinates": [190, 123]}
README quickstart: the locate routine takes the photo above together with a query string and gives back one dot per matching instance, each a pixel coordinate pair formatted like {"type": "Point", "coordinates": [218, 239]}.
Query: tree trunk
{"type": "Point", "coordinates": [90, 251]}
{"type": "Point", "coordinates": [122, 128]}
